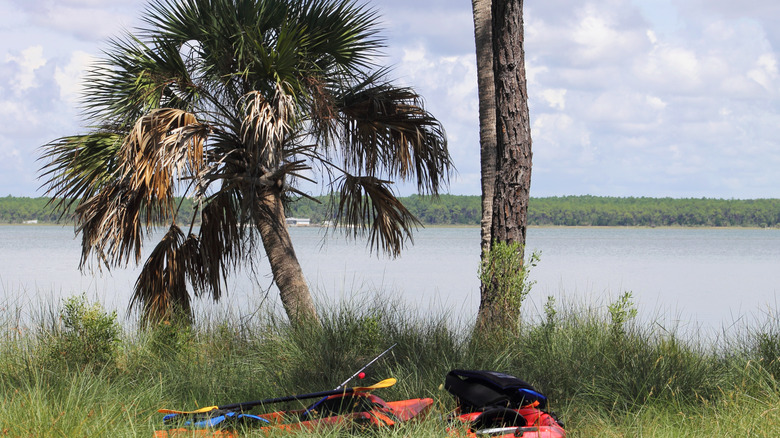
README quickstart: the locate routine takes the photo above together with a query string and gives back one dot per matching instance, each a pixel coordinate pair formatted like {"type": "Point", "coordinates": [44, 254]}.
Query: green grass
{"type": "Point", "coordinates": [605, 372]}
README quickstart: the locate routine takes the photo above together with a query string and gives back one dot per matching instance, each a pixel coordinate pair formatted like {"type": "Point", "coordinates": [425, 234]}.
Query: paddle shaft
{"type": "Point", "coordinates": [245, 405]}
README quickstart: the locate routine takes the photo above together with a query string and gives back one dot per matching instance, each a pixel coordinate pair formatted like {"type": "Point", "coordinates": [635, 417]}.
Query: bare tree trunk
{"type": "Point", "coordinates": [513, 175]}
{"type": "Point", "coordinates": [487, 112]}
{"type": "Point", "coordinates": [293, 289]}
{"type": "Point", "coordinates": [513, 151]}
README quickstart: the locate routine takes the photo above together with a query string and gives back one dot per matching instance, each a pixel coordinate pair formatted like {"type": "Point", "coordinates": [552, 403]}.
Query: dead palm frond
{"type": "Point", "coordinates": [367, 206]}
{"type": "Point", "coordinates": [161, 288]}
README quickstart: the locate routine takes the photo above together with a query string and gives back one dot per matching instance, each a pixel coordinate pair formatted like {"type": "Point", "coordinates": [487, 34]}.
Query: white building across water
{"type": "Point", "coordinates": [298, 222]}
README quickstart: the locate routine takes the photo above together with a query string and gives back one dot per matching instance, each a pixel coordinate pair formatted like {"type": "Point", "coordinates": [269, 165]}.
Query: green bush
{"type": "Point", "coordinates": [88, 335]}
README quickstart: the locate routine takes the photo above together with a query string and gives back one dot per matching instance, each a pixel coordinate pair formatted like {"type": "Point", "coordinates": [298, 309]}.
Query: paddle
{"type": "Point", "coordinates": [344, 383]}
{"type": "Point", "coordinates": [242, 406]}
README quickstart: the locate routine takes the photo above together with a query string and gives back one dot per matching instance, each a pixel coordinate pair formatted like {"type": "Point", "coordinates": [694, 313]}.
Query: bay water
{"type": "Point", "coordinates": [690, 278]}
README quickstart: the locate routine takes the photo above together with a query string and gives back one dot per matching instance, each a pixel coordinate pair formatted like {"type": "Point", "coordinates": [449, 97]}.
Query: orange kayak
{"type": "Point", "coordinates": [357, 409]}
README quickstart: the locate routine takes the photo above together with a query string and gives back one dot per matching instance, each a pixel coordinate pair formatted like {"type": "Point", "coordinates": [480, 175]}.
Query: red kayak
{"type": "Point", "coordinates": [499, 405]}
{"type": "Point", "coordinates": [528, 422]}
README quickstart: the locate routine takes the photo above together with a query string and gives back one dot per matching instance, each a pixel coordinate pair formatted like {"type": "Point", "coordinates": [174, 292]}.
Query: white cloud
{"type": "Point", "coordinates": [655, 103]}
{"type": "Point", "coordinates": [652, 37]}
{"type": "Point", "coordinates": [449, 86]}
{"type": "Point", "coordinates": [555, 98]}
{"type": "Point", "coordinates": [70, 77]}
{"type": "Point", "coordinates": [673, 68]}
{"type": "Point", "coordinates": [559, 138]}
{"type": "Point", "coordinates": [28, 61]}
{"type": "Point", "coordinates": [765, 72]}
{"type": "Point", "coordinates": [92, 20]}
{"type": "Point", "coordinates": [595, 36]}
{"type": "Point", "coordinates": [17, 115]}
{"type": "Point", "coordinates": [94, 23]}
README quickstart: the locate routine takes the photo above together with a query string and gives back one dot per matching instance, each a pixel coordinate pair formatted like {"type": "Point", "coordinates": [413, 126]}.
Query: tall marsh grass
{"type": "Point", "coordinates": [605, 372]}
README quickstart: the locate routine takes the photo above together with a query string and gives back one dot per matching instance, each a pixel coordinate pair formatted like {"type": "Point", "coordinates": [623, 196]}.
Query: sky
{"type": "Point", "coordinates": [654, 98]}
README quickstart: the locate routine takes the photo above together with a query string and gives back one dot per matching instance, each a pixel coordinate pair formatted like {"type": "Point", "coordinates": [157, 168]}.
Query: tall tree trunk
{"type": "Point", "coordinates": [481, 10]}
{"type": "Point", "coordinates": [287, 272]}
{"type": "Point", "coordinates": [513, 151]}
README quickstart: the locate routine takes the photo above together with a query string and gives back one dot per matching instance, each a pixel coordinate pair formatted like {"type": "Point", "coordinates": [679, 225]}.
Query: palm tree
{"type": "Point", "coordinates": [235, 103]}
{"type": "Point", "coordinates": [481, 10]}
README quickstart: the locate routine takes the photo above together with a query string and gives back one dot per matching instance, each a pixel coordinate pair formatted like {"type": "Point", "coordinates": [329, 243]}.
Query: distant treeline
{"type": "Point", "coordinates": [466, 210]}
{"type": "Point", "coordinates": [653, 212]}
{"type": "Point", "coordinates": [444, 210]}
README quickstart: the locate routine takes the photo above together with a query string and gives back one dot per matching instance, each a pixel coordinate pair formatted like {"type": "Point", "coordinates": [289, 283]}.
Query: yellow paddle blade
{"type": "Point", "coordinates": [197, 411]}
{"type": "Point", "coordinates": [379, 385]}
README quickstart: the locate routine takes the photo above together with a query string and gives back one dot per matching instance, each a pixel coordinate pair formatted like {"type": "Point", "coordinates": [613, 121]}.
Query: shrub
{"type": "Point", "coordinates": [88, 335]}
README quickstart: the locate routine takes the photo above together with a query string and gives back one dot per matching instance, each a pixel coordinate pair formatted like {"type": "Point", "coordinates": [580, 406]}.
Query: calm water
{"type": "Point", "coordinates": [709, 278]}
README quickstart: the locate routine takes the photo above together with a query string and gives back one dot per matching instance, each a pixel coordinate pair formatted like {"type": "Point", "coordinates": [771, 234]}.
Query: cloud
{"type": "Point", "coordinates": [765, 72]}
{"type": "Point", "coordinates": [92, 20]}
{"type": "Point", "coordinates": [439, 25]}
{"type": "Point", "coordinates": [599, 39]}
{"type": "Point", "coordinates": [554, 97]}
{"type": "Point", "coordinates": [448, 85]}
{"type": "Point", "coordinates": [627, 97]}
{"type": "Point", "coordinates": [70, 77]}
{"type": "Point", "coordinates": [27, 62]}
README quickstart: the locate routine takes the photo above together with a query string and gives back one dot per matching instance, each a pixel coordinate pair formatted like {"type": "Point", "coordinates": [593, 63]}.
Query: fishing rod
{"type": "Point", "coordinates": [311, 408]}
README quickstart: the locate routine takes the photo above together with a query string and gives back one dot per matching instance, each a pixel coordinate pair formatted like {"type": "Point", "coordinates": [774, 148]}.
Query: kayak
{"type": "Point", "coordinates": [493, 404]}
{"type": "Point", "coordinates": [357, 409]}
{"type": "Point", "coordinates": [528, 422]}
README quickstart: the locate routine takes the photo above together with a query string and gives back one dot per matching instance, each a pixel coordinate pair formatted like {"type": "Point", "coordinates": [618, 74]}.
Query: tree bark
{"type": "Point", "coordinates": [513, 127]}
{"type": "Point", "coordinates": [287, 272]}
{"type": "Point", "coordinates": [513, 149]}
{"type": "Point", "coordinates": [483, 32]}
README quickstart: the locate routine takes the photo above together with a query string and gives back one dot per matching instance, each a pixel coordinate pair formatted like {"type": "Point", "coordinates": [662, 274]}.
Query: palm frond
{"type": "Point", "coordinates": [386, 129]}
{"type": "Point", "coordinates": [266, 125]}
{"type": "Point", "coordinates": [136, 77]}
{"type": "Point", "coordinates": [342, 33]}
{"type": "Point", "coordinates": [163, 146]}
{"type": "Point", "coordinates": [221, 240]}
{"type": "Point", "coordinates": [161, 288]}
{"type": "Point", "coordinates": [367, 205]}
{"type": "Point", "coordinates": [78, 166]}
{"type": "Point", "coordinates": [110, 224]}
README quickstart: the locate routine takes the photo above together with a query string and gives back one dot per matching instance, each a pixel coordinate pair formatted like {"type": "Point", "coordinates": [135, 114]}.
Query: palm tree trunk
{"type": "Point", "coordinates": [293, 289]}
{"type": "Point", "coordinates": [481, 10]}
{"type": "Point", "coordinates": [513, 151]}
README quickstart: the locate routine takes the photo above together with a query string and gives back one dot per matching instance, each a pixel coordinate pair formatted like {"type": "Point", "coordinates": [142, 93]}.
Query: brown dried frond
{"type": "Point", "coordinates": [266, 125]}
{"type": "Point", "coordinates": [161, 144]}
{"type": "Point", "coordinates": [161, 288]}
{"type": "Point", "coordinates": [110, 224]}
{"type": "Point", "coordinates": [367, 204]}
{"type": "Point", "coordinates": [323, 112]}
{"type": "Point", "coordinates": [220, 240]}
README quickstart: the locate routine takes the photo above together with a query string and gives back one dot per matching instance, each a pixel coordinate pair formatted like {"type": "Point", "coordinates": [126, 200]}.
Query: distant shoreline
{"type": "Point", "coordinates": [454, 210]}
{"type": "Point", "coordinates": [468, 226]}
